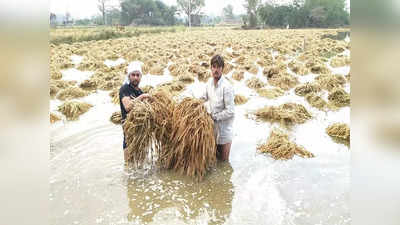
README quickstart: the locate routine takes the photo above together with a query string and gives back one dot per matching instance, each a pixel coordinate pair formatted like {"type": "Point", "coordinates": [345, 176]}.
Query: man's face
{"type": "Point", "coordinates": [216, 71]}
{"type": "Point", "coordinates": [134, 78]}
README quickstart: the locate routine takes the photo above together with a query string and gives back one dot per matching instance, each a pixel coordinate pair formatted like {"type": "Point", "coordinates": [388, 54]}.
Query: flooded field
{"type": "Point", "coordinates": [89, 183]}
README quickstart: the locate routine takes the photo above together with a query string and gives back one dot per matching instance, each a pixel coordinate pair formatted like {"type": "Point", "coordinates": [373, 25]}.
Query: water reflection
{"type": "Point", "coordinates": [164, 196]}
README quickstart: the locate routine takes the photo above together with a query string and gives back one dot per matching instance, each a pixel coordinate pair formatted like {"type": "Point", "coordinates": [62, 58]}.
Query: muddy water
{"type": "Point", "coordinates": [90, 185]}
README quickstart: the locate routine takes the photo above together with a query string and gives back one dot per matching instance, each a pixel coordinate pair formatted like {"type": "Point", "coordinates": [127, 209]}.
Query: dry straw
{"type": "Point", "coordinates": [116, 118]}
{"type": "Point", "coordinates": [280, 148]}
{"type": "Point", "coordinates": [70, 93]}
{"type": "Point", "coordinates": [270, 93]}
{"type": "Point", "coordinates": [340, 132]}
{"type": "Point", "coordinates": [240, 99]}
{"type": "Point", "coordinates": [287, 114]}
{"type": "Point", "coordinates": [339, 97]}
{"type": "Point", "coordinates": [72, 109]}
{"type": "Point", "coordinates": [307, 88]}
{"type": "Point", "coordinates": [255, 83]}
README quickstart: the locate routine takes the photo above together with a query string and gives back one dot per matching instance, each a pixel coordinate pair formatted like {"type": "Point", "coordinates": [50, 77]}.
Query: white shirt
{"type": "Point", "coordinates": [221, 101]}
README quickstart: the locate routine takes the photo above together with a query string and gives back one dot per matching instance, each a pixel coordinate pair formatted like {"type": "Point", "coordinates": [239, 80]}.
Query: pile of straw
{"type": "Point", "coordinates": [116, 118]}
{"type": "Point", "coordinates": [186, 78]}
{"type": "Point", "coordinates": [71, 92]}
{"type": "Point", "coordinates": [340, 61]}
{"type": "Point", "coordinates": [329, 82]}
{"type": "Point", "coordinates": [270, 93]}
{"type": "Point", "coordinates": [316, 101]}
{"type": "Point", "coordinates": [240, 99]}
{"type": "Point", "coordinates": [339, 97]}
{"type": "Point", "coordinates": [147, 88]}
{"type": "Point", "coordinates": [238, 75]}
{"type": "Point", "coordinates": [172, 135]}
{"type": "Point", "coordinates": [90, 84]}
{"type": "Point", "coordinates": [114, 94]}
{"type": "Point", "coordinates": [307, 88]}
{"type": "Point", "coordinates": [284, 81]}
{"type": "Point", "coordinates": [157, 70]}
{"type": "Point", "coordinates": [287, 114]}
{"type": "Point", "coordinates": [339, 131]}
{"type": "Point", "coordinates": [298, 68]}
{"type": "Point", "coordinates": [255, 83]}
{"type": "Point", "coordinates": [280, 148]}
{"type": "Point", "coordinates": [72, 109]}
{"type": "Point", "coordinates": [54, 118]}
{"type": "Point", "coordinates": [53, 89]}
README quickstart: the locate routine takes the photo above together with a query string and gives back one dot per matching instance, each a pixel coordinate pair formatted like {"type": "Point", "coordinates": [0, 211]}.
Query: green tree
{"type": "Point", "coordinates": [190, 7]}
{"type": "Point", "coordinates": [227, 12]}
{"type": "Point", "coordinates": [101, 5]}
{"type": "Point", "coordinates": [251, 7]}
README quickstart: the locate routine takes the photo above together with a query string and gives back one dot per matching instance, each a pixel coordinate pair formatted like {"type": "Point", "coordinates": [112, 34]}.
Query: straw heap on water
{"type": "Point", "coordinates": [279, 146]}
{"type": "Point", "coordinates": [339, 97]}
{"type": "Point", "coordinates": [72, 109]}
{"type": "Point", "coordinates": [255, 83]}
{"type": "Point", "coordinates": [283, 80]}
{"type": "Point", "coordinates": [270, 93]}
{"type": "Point", "coordinates": [339, 131]}
{"type": "Point", "coordinates": [240, 99]}
{"type": "Point", "coordinates": [54, 118]}
{"type": "Point", "coordinates": [287, 114]}
{"type": "Point", "coordinates": [116, 118]}
{"type": "Point", "coordinates": [70, 93]}
{"type": "Point", "coordinates": [307, 88]}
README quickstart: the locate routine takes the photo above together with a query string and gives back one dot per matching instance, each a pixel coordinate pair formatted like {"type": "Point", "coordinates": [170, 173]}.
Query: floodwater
{"type": "Point", "coordinates": [90, 185]}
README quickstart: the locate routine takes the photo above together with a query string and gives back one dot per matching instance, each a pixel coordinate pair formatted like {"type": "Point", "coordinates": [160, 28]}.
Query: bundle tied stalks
{"type": "Point", "coordinates": [240, 99]}
{"type": "Point", "coordinates": [116, 118]}
{"type": "Point", "coordinates": [280, 148]}
{"type": "Point", "coordinates": [72, 109]}
{"type": "Point", "coordinates": [287, 114]}
{"type": "Point", "coordinates": [176, 136]}
{"type": "Point", "coordinates": [194, 147]}
{"type": "Point", "coordinates": [307, 88]}
{"type": "Point", "coordinates": [339, 132]}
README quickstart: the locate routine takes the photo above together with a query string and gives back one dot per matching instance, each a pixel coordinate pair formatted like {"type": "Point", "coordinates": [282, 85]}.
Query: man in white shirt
{"type": "Point", "coordinates": [219, 93]}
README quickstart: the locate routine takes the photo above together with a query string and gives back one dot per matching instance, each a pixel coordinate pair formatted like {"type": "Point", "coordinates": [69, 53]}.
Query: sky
{"type": "Point", "coordinates": [80, 9]}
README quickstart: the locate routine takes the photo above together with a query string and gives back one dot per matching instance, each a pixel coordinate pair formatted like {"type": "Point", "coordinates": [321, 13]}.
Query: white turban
{"type": "Point", "coordinates": [132, 67]}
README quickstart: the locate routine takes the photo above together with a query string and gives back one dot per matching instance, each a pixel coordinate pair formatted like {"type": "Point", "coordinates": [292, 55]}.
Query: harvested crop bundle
{"type": "Point", "coordinates": [316, 101]}
{"type": "Point", "coordinates": [298, 68]}
{"type": "Point", "coordinates": [203, 75]}
{"type": "Point", "coordinates": [71, 92]}
{"type": "Point", "coordinates": [329, 82]}
{"type": "Point", "coordinates": [284, 81]}
{"type": "Point", "coordinates": [240, 99]}
{"type": "Point", "coordinates": [251, 68]}
{"type": "Point", "coordinates": [55, 75]}
{"type": "Point", "coordinates": [348, 77]}
{"type": "Point", "coordinates": [54, 118]}
{"type": "Point", "coordinates": [176, 136]}
{"type": "Point", "coordinates": [271, 71]}
{"type": "Point", "coordinates": [339, 97]}
{"type": "Point", "coordinates": [186, 78]}
{"type": "Point", "coordinates": [109, 85]}
{"type": "Point", "coordinates": [339, 131]}
{"type": "Point", "coordinates": [320, 69]}
{"type": "Point", "coordinates": [176, 69]}
{"type": "Point", "coordinates": [114, 94]}
{"type": "Point", "coordinates": [90, 84]}
{"type": "Point", "coordinates": [270, 93]}
{"type": "Point", "coordinates": [287, 114]}
{"type": "Point", "coordinates": [307, 88]}
{"type": "Point", "coordinates": [72, 109]}
{"type": "Point", "coordinates": [194, 147]}
{"type": "Point", "coordinates": [255, 83]}
{"type": "Point", "coordinates": [157, 70]}
{"type": "Point", "coordinates": [227, 68]}
{"type": "Point", "coordinates": [340, 61]}
{"type": "Point", "coordinates": [280, 148]}
{"type": "Point", "coordinates": [238, 75]}
{"type": "Point", "coordinates": [116, 118]}
{"type": "Point", "coordinates": [147, 88]}
{"type": "Point", "coordinates": [53, 89]}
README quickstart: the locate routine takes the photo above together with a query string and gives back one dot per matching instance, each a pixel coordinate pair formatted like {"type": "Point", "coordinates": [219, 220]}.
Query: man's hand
{"type": "Point", "coordinates": [143, 96]}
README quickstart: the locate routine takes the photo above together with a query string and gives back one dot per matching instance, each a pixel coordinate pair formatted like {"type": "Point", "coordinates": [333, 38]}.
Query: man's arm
{"type": "Point", "coordinates": [128, 101]}
{"type": "Point", "coordinates": [229, 110]}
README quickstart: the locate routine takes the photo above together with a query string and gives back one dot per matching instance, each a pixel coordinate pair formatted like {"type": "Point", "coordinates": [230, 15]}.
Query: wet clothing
{"type": "Point", "coordinates": [221, 101]}
{"type": "Point", "coordinates": [130, 91]}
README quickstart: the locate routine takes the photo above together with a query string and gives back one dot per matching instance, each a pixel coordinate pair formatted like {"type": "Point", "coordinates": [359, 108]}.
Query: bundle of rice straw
{"type": "Point", "coordinates": [89, 84]}
{"type": "Point", "coordinates": [238, 75]}
{"type": "Point", "coordinates": [339, 97]}
{"type": "Point", "coordinates": [255, 83]}
{"type": "Point", "coordinates": [72, 109]}
{"type": "Point", "coordinates": [228, 68]}
{"type": "Point", "coordinates": [53, 89]}
{"type": "Point", "coordinates": [147, 88]}
{"type": "Point", "coordinates": [329, 82]}
{"type": "Point", "coordinates": [157, 70]}
{"type": "Point", "coordinates": [280, 148]}
{"type": "Point", "coordinates": [287, 114]}
{"type": "Point", "coordinates": [54, 118]}
{"type": "Point", "coordinates": [194, 147]}
{"type": "Point", "coordinates": [203, 75]}
{"type": "Point", "coordinates": [114, 94]}
{"type": "Point", "coordinates": [71, 92]}
{"type": "Point", "coordinates": [240, 99]}
{"type": "Point", "coordinates": [251, 68]}
{"type": "Point", "coordinates": [298, 68]}
{"type": "Point", "coordinates": [307, 88]}
{"type": "Point", "coordinates": [284, 81]}
{"type": "Point", "coordinates": [340, 61]}
{"type": "Point", "coordinates": [55, 74]}
{"type": "Point", "coordinates": [319, 69]}
{"type": "Point", "coordinates": [316, 101]}
{"type": "Point", "coordinates": [176, 136]}
{"type": "Point", "coordinates": [339, 131]}
{"type": "Point", "coordinates": [116, 118]}
{"type": "Point", "coordinates": [186, 78]}
{"type": "Point", "coordinates": [270, 93]}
